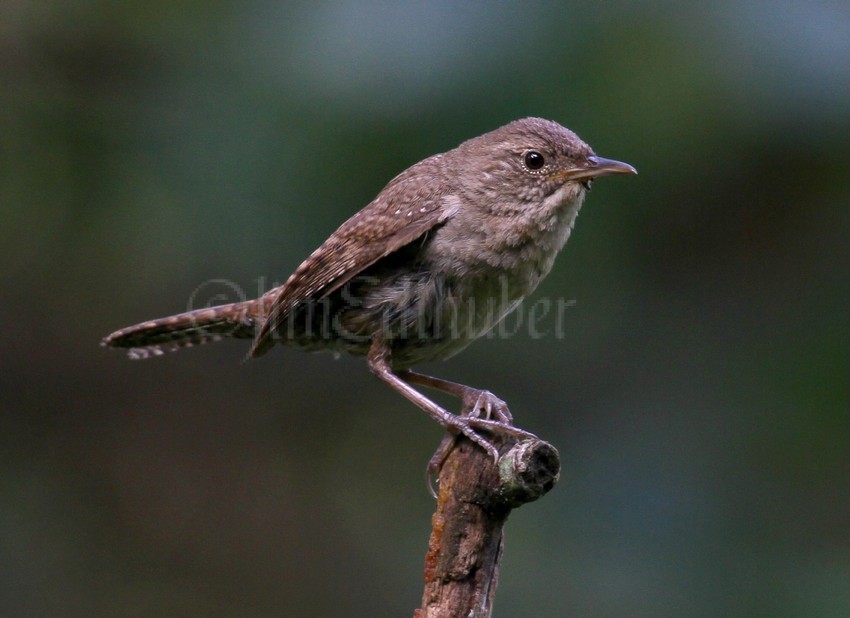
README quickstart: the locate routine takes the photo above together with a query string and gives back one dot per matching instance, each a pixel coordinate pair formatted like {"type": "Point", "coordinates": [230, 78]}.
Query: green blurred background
{"type": "Point", "coordinates": [698, 394]}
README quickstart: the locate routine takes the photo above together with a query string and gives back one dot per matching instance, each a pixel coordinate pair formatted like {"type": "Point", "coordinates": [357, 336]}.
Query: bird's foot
{"type": "Point", "coordinates": [482, 412]}
{"type": "Point", "coordinates": [476, 403]}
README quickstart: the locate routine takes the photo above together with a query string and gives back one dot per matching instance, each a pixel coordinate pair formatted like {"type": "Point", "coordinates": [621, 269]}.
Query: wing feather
{"type": "Point", "coordinates": [410, 206]}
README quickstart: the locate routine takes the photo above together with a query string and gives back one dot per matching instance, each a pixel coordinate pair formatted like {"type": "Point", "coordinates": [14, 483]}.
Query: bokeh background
{"type": "Point", "coordinates": [153, 152]}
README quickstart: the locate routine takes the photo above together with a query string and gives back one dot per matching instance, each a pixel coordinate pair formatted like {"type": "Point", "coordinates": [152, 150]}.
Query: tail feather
{"type": "Point", "coordinates": [169, 334]}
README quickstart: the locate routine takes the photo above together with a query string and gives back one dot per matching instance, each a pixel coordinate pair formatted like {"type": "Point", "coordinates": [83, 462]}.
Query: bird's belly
{"type": "Point", "coordinates": [424, 314]}
{"type": "Point", "coordinates": [432, 317]}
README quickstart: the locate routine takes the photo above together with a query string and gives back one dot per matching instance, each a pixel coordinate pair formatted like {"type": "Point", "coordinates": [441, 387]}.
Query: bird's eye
{"type": "Point", "coordinates": [534, 160]}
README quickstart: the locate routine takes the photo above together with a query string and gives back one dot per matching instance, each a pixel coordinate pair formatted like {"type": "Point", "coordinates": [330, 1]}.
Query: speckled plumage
{"type": "Point", "coordinates": [444, 251]}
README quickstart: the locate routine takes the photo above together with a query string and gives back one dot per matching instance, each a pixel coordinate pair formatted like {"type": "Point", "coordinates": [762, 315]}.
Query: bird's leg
{"type": "Point", "coordinates": [474, 402]}
{"type": "Point", "coordinates": [482, 411]}
{"type": "Point", "coordinates": [378, 361]}
{"type": "Point", "coordinates": [477, 405]}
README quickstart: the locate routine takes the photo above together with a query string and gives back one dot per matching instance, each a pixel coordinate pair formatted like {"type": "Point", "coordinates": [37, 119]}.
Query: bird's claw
{"type": "Point", "coordinates": [484, 404]}
{"type": "Point", "coordinates": [471, 427]}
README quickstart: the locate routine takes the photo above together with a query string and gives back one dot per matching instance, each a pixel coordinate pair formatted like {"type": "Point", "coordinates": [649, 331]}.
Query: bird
{"type": "Point", "coordinates": [445, 251]}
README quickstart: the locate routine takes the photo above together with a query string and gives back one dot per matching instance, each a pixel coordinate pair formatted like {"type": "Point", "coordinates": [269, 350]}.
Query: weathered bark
{"type": "Point", "coordinates": [475, 498]}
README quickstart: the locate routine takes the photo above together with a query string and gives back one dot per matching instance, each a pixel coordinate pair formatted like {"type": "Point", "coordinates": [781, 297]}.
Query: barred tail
{"type": "Point", "coordinates": [169, 334]}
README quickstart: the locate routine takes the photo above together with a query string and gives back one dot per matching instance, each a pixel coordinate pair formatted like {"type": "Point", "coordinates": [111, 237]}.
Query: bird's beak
{"type": "Point", "coordinates": [595, 166]}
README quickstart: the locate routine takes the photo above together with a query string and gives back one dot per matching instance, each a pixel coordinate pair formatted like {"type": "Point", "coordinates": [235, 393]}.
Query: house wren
{"type": "Point", "coordinates": [445, 251]}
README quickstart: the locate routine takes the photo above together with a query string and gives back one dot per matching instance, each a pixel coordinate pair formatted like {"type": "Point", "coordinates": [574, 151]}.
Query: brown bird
{"type": "Point", "coordinates": [447, 249]}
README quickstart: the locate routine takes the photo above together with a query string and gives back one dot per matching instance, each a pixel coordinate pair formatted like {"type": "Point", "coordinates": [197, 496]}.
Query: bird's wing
{"type": "Point", "coordinates": [405, 210]}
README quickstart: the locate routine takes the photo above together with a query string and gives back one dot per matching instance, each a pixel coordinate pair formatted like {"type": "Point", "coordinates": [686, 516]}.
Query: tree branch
{"type": "Point", "coordinates": [475, 498]}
